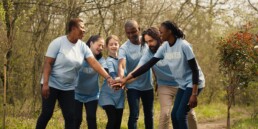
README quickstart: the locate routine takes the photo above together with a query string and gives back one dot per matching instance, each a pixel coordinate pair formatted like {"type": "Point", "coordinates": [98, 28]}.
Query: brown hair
{"type": "Point", "coordinates": [152, 32]}
{"type": "Point", "coordinates": [112, 37]}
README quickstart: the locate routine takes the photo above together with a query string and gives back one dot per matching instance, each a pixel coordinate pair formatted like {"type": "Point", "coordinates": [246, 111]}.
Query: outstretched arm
{"type": "Point", "coordinates": [144, 68]}
{"type": "Point", "coordinates": [98, 68]}
{"type": "Point", "coordinates": [121, 67]}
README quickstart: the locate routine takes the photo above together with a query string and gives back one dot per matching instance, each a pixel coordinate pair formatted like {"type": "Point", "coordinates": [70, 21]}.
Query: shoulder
{"type": "Point", "coordinates": [58, 40]}
{"type": "Point", "coordinates": [148, 53]}
{"type": "Point", "coordinates": [125, 44]}
{"type": "Point", "coordinates": [184, 43]}
{"type": "Point", "coordinates": [81, 43]}
{"type": "Point", "coordinates": [165, 44]}
{"type": "Point", "coordinates": [108, 59]}
{"type": "Point", "coordinates": [145, 46]}
{"type": "Point", "coordinates": [61, 38]}
{"type": "Point", "coordinates": [102, 59]}
{"type": "Point", "coordinates": [111, 60]}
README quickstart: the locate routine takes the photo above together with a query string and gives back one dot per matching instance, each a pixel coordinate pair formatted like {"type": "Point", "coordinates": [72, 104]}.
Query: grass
{"type": "Point", "coordinates": [211, 112]}
{"type": "Point", "coordinates": [57, 122]}
{"type": "Point", "coordinates": [205, 112]}
{"type": "Point", "coordinates": [246, 124]}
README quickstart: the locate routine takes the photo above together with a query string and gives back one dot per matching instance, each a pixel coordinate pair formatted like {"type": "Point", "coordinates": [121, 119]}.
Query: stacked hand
{"type": "Point", "coordinates": [119, 83]}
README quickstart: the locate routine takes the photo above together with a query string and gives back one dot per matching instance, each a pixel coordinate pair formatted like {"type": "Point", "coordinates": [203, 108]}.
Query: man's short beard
{"type": "Point", "coordinates": [155, 48]}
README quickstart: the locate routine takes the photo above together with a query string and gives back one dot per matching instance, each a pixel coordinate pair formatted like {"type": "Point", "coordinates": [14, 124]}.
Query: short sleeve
{"type": "Point", "coordinates": [188, 51]}
{"type": "Point", "coordinates": [161, 51]}
{"type": "Point", "coordinates": [87, 52]}
{"type": "Point", "coordinates": [53, 48]}
{"type": "Point", "coordinates": [122, 53]}
{"type": "Point", "coordinates": [103, 62]}
{"type": "Point", "coordinates": [110, 66]}
{"type": "Point", "coordinates": [145, 58]}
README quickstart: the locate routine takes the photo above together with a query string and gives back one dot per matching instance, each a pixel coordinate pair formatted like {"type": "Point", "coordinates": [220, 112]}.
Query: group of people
{"type": "Point", "coordinates": [72, 69]}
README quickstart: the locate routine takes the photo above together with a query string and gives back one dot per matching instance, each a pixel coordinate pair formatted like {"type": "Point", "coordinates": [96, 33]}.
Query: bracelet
{"type": "Point", "coordinates": [108, 77]}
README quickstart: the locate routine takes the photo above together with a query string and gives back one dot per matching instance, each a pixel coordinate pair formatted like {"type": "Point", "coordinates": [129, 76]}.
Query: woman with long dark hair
{"type": "Point", "coordinates": [87, 90]}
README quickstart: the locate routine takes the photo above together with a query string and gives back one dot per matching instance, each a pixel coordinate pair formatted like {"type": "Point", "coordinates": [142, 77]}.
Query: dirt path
{"type": "Point", "coordinates": [218, 124]}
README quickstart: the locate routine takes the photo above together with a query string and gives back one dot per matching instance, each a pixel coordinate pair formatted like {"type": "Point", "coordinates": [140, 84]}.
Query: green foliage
{"type": "Point", "coordinates": [248, 96]}
{"type": "Point", "coordinates": [237, 56]}
{"type": "Point", "coordinates": [238, 59]}
{"type": "Point", "coordinates": [210, 112]}
{"type": "Point", "coordinates": [246, 124]}
{"type": "Point", "coordinates": [2, 12]}
{"type": "Point", "coordinates": [237, 63]}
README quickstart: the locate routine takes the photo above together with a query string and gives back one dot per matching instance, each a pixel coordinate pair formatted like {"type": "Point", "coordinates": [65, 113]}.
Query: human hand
{"type": "Point", "coordinates": [110, 81]}
{"type": "Point", "coordinates": [45, 91]}
{"type": "Point", "coordinates": [119, 83]}
{"type": "Point", "coordinates": [193, 101]}
{"type": "Point", "coordinates": [116, 85]}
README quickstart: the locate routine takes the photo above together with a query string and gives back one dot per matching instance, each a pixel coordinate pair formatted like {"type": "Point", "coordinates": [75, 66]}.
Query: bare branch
{"type": "Point", "coordinates": [256, 9]}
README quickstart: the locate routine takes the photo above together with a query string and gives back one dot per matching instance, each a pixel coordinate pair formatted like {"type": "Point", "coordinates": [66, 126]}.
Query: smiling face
{"type": "Point", "coordinates": [97, 46]}
{"type": "Point", "coordinates": [112, 46]}
{"type": "Point", "coordinates": [132, 33]}
{"type": "Point", "coordinates": [164, 33]}
{"type": "Point", "coordinates": [79, 30]}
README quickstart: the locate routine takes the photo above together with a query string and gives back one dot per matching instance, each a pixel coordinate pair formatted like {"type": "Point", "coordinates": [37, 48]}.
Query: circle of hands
{"type": "Point", "coordinates": [117, 83]}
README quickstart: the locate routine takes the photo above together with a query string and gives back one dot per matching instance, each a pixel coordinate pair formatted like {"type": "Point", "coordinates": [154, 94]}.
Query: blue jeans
{"type": "Point", "coordinates": [180, 109]}
{"type": "Point", "coordinates": [133, 97]}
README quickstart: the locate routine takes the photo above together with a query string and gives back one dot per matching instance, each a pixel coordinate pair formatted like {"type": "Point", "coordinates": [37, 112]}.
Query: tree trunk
{"type": "Point", "coordinates": [228, 117]}
{"type": "Point", "coordinates": [4, 104]}
{"type": "Point", "coordinates": [10, 18]}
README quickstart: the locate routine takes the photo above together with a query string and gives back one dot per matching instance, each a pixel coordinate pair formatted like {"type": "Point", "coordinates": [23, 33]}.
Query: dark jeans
{"type": "Point", "coordinates": [91, 110]}
{"type": "Point", "coordinates": [66, 102]}
{"type": "Point", "coordinates": [114, 117]}
{"type": "Point", "coordinates": [180, 108]}
{"type": "Point", "coordinates": [133, 97]}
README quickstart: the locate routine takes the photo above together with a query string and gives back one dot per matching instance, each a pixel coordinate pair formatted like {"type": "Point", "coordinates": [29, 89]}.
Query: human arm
{"type": "Point", "coordinates": [99, 69]}
{"type": "Point", "coordinates": [121, 67]}
{"type": "Point", "coordinates": [51, 54]}
{"type": "Point", "coordinates": [144, 68]}
{"type": "Point", "coordinates": [195, 78]}
{"type": "Point", "coordinates": [46, 73]}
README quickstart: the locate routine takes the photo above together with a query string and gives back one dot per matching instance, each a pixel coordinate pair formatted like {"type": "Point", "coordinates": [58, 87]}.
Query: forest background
{"type": "Point", "coordinates": [28, 26]}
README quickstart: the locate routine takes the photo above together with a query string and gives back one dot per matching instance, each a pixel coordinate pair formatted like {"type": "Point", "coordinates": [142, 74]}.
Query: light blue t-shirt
{"type": "Point", "coordinates": [177, 57]}
{"type": "Point", "coordinates": [132, 54]}
{"type": "Point", "coordinates": [107, 95]}
{"type": "Point", "coordinates": [68, 61]}
{"type": "Point", "coordinates": [88, 82]}
{"type": "Point", "coordinates": [162, 71]}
